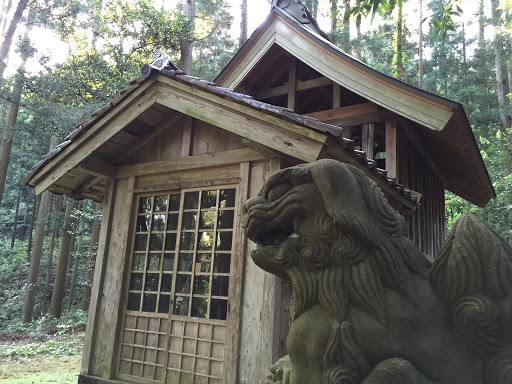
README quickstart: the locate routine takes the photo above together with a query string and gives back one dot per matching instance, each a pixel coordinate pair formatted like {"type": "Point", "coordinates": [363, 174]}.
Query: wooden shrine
{"type": "Point", "coordinates": [176, 297]}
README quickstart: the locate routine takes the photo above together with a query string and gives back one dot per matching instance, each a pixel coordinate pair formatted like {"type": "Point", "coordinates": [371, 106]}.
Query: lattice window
{"type": "Point", "coordinates": [154, 253]}
{"type": "Point", "coordinates": [203, 265]}
{"type": "Point", "coordinates": [197, 223]}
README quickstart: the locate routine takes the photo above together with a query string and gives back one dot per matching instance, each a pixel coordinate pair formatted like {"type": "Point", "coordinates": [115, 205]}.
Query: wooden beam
{"type": "Point", "coordinates": [188, 136]}
{"type": "Point", "coordinates": [161, 127]}
{"type": "Point", "coordinates": [89, 183]}
{"type": "Point", "coordinates": [79, 150]}
{"type": "Point", "coordinates": [209, 160]}
{"type": "Point", "coordinates": [96, 167]}
{"type": "Point", "coordinates": [336, 95]}
{"type": "Point", "coordinates": [391, 149]}
{"type": "Point", "coordinates": [301, 86]}
{"type": "Point", "coordinates": [293, 140]}
{"type": "Point", "coordinates": [345, 112]}
{"type": "Point", "coordinates": [292, 84]}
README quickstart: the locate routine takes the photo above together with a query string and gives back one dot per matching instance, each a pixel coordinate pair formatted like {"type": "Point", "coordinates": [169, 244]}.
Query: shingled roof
{"type": "Point", "coordinates": [335, 132]}
{"type": "Point", "coordinates": [438, 122]}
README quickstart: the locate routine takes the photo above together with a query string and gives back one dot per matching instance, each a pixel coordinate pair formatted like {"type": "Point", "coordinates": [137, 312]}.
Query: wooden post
{"type": "Point", "coordinates": [368, 139]}
{"type": "Point", "coordinates": [97, 284]}
{"type": "Point", "coordinates": [188, 135]}
{"type": "Point", "coordinates": [292, 84]}
{"type": "Point", "coordinates": [391, 149]}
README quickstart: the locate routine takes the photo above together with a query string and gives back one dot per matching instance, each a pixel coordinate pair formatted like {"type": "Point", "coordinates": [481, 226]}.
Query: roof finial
{"type": "Point", "coordinates": [294, 8]}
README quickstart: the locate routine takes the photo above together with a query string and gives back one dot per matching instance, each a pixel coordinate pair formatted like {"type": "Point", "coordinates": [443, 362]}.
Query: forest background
{"type": "Point", "coordinates": [60, 60]}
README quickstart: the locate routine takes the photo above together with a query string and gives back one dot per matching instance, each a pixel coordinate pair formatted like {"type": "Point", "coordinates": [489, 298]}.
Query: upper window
{"type": "Point", "coordinates": [182, 253]}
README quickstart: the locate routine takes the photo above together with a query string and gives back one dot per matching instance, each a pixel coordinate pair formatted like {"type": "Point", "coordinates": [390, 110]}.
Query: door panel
{"type": "Point", "coordinates": [175, 316]}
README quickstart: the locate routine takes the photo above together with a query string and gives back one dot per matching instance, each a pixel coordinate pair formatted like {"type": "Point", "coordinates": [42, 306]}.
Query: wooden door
{"type": "Point", "coordinates": [175, 319]}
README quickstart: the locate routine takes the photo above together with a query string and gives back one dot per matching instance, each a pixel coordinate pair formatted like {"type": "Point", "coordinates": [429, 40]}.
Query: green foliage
{"type": "Point", "coordinates": [51, 348]}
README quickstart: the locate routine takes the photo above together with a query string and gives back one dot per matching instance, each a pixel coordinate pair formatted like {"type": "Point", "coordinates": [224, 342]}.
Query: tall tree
{"type": "Point", "coordinates": [189, 8]}
{"type": "Point", "coordinates": [499, 65]}
{"type": "Point", "coordinates": [243, 23]}
{"type": "Point", "coordinates": [37, 248]}
{"type": "Point", "coordinates": [9, 35]}
{"type": "Point", "coordinates": [400, 55]}
{"type": "Point", "coordinates": [59, 285]}
{"type": "Point", "coordinates": [420, 47]}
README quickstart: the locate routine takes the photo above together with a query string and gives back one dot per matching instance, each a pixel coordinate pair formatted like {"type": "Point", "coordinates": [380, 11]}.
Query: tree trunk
{"type": "Point", "coordinates": [95, 234]}
{"type": "Point", "coordinates": [35, 210]}
{"type": "Point", "coordinates": [189, 8]}
{"type": "Point", "coordinates": [12, 114]}
{"type": "Point", "coordinates": [420, 51]}
{"type": "Point", "coordinates": [481, 25]}
{"type": "Point", "coordinates": [49, 266]}
{"type": "Point", "coordinates": [334, 15]}
{"type": "Point", "coordinates": [3, 16]}
{"type": "Point", "coordinates": [74, 275]}
{"type": "Point", "coordinates": [401, 73]}
{"type": "Point", "coordinates": [15, 223]}
{"type": "Point", "coordinates": [6, 44]}
{"type": "Point", "coordinates": [8, 135]}
{"type": "Point", "coordinates": [243, 23]}
{"type": "Point", "coordinates": [35, 259]}
{"type": "Point", "coordinates": [501, 80]}
{"type": "Point", "coordinates": [62, 265]}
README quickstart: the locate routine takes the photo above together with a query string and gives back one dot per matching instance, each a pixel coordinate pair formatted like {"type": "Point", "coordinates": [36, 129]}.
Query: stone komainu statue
{"type": "Point", "coordinates": [367, 305]}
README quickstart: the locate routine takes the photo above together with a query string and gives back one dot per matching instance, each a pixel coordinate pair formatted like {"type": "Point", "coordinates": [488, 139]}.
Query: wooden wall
{"type": "Point", "coordinates": [428, 222]}
{"type": "Point", "coordinates": [258, 327]}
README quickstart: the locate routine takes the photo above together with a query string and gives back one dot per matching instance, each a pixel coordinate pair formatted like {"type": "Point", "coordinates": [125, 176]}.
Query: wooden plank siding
{"type": "Point", "coordinates": [427, 223]}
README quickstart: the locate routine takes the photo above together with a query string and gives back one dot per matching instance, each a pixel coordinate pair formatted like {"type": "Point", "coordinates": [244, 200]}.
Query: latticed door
{"type": "Point", "coordinates": [175, 318]}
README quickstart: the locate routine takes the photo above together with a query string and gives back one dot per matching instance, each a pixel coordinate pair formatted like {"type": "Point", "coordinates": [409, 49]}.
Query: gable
{"type": "Point", "coordinates": [439, 126]}
{"type": "Point", "coordinates": [181, 120]}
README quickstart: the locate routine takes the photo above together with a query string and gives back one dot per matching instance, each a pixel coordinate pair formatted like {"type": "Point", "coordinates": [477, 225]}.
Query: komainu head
{"type": "Point", "coordinates": [325, 222]}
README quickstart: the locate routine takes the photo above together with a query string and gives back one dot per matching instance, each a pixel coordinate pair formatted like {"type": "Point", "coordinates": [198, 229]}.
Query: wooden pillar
{"type": "Point", "coordinates": [368, 139]}
{"type": "Point", "coordinates": [292, 84]}
{"type": "Point", "coordinates": [391, 149]}
{"type": "Point", "coordinates": [188, 135]}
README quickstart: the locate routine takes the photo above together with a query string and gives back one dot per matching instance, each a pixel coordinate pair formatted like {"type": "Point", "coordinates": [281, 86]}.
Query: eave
{"type": "Point", "coordinates": [434, 118]}
{"type": "Point", "coordinates": [277, 129]}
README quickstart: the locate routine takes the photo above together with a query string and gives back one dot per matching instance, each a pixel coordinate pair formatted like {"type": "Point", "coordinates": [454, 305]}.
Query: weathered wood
{"type": "Point", "coordinates": [300, 85]}
{"type": "Point", "coordinates": [104, 352]}
{"type": "Point", "coordinates": [186, 141]}
{"type": "Point", "coordinates": [96, 167]}
{"type": "Point", "coordinates": [210, 139]}
{"type": "Point", "coordinates": [345, 112]}
{"type": "Point", "coordinates": [181, 178]}
{"type": "Point", "coordinates": [368, 139]}
{"type": "Point", "coordinates": [330, 62]}
{"type": "Point", "coordinates": [261, 129]}
{"type": "Point", "coordinates": [336, 95]}
{"type": "Point", "coordinates": [79, 150]}
{"type": "Point", "coordinates": [292, 84]}
{"type": "Point", "coordinates": [236, 285]}
{"type": "Point", "coordinates": [161, 127]}
{"type": "Point", "coordinates": [391, 149]}
{"type": "Point", "coordinates": [211, 160]}
{"type": "Point", "coordinates": [97, 284]}
{"type": "Point", "coordinates": [228, 105]}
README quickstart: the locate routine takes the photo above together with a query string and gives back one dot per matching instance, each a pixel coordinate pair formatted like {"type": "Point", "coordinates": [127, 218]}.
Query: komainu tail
{"type": "Point", "coordinates": [473, 276]}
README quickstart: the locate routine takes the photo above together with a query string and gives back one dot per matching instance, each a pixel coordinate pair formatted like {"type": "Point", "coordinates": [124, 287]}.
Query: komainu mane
{"type": "Point", "coordinates": [368, 306]}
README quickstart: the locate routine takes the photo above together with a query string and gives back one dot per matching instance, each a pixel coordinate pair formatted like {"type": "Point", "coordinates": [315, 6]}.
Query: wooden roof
{"type": "Point", "coordinates": [440, 125]}
{"type": "Point", "coordinates": [92, 154]}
